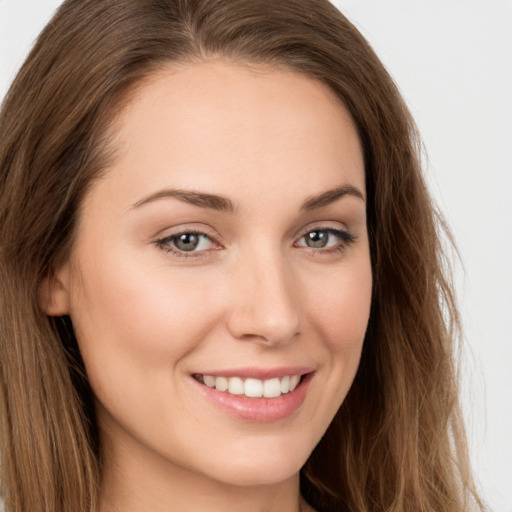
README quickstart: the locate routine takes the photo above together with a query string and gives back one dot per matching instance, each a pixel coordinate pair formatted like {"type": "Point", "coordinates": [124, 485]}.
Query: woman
{"type": "Point", "coordinates": [222, 282]}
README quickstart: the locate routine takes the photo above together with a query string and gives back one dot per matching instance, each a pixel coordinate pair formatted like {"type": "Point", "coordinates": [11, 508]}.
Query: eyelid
{"type": "Point", "coordinates": [325, 226]}
{"type": "Point", "coordinates": [198, 229]}
{"type": "Point", "coordinates": [162, 241]}
{"type": "Point", "coordinates": [345, 236]}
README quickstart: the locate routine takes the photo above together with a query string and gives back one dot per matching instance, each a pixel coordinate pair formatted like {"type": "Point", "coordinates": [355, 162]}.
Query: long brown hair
{"type": "Point", "coordinates": [397, 443]}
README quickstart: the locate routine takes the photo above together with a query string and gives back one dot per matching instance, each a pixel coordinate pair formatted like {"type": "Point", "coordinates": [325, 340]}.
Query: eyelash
{"type": "Point", "coordinates": [164, 243]}
{"type": "Point", "coordinates": [345, 237]}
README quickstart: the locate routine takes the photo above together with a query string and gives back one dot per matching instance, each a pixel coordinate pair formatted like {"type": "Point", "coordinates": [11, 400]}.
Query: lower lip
{"type": "Point", "coordinates": [261, 410]}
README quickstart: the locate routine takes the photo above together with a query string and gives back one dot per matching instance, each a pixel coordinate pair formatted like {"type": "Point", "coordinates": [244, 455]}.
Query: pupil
{"type": "Point", "coordinates": [317, 239]}
{"type": "Point", "coordinates": [187, 241]}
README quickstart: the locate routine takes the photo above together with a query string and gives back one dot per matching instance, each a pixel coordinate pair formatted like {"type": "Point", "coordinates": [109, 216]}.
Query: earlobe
{"type": "Point", "coordinates": [54, 293]}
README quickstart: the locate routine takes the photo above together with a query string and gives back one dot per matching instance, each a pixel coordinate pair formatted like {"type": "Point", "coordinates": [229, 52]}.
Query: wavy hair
{"type": "Point", "coordinates": [397, 443]}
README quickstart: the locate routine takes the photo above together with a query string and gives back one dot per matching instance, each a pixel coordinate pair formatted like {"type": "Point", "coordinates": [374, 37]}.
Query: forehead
{"type": "Point", "coordinates": [220, 125]}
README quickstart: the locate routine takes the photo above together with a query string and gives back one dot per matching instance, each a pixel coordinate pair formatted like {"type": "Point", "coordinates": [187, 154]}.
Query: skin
{"type": "Point", "coordinates": [252, 294]}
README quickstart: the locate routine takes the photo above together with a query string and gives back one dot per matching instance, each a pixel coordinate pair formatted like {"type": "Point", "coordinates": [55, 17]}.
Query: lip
{"type": "Point", "coordinates": [262, 410]}
{"type": "Point", "coordinates": [260, 373]}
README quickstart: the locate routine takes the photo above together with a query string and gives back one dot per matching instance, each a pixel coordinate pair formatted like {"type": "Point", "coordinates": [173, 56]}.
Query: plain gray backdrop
{"type": "Point", "coordinates": [452, 61]}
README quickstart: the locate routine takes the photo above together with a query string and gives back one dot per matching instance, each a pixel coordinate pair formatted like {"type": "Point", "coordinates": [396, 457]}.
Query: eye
{"type": "Point", "coordinates": [186, 242]}
{"type": "Point", "coordinates": [326, 238]}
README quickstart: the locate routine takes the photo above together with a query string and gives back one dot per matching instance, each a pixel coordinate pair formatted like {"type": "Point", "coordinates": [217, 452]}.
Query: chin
{"type": "Point", "coordinates": [247, 475]}
{"type": "Point", "coordinates": [267, 465]}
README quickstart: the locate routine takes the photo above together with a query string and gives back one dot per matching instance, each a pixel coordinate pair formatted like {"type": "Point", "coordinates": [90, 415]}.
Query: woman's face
{"type": "Point", "coordinates": [225, 246]}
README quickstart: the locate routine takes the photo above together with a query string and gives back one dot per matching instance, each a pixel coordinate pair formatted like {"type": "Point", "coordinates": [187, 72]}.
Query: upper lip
{"type": "Point", "coordinates": [259, 373]}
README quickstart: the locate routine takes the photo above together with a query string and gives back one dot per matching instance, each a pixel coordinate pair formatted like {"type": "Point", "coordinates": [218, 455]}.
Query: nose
{"type": "Point", "coordinates": [265, 301]}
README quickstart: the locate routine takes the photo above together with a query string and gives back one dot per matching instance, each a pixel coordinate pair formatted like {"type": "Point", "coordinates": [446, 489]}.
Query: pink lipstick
{"type": "Point", "coordinates": [256, 394]}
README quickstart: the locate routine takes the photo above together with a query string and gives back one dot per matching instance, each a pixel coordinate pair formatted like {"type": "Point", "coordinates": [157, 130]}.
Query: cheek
{"type": "Point", "coordinates": [135, 320]}
{"type": "Point", "coordinates": [340, 310]}
{"type": "Point", "coordinates": [341, 307]}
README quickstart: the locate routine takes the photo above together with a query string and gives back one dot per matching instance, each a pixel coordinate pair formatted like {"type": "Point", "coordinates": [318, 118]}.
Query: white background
{"type": "Point", "coordinates": [452, 60]}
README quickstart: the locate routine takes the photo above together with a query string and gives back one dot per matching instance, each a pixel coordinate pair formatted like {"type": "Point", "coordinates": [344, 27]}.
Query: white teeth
{"type": "Point", "coordinates": [236, 386]}
{"type": "Point", "coordinates": [272, 388]}
{"type": "Point", "coordinates": [209, 381]}
{"type": "Point", "coordinates": [221, 383]}
{"type": "Point", "coordinates": [285, 384]}
{"type": "Point", "coordinates": [253, 388]}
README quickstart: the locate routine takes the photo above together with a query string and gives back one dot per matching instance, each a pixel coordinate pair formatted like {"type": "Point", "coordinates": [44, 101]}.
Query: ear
{"type": "Point", "coordinates": [54, 293]}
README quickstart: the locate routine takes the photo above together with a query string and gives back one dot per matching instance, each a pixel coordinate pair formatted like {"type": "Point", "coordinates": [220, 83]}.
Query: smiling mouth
{"type": "Point", "coordinates": [251, 387]}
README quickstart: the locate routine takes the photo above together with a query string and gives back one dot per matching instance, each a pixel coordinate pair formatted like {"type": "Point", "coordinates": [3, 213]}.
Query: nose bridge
{"type": "Point", "coordinates": [265, 305]}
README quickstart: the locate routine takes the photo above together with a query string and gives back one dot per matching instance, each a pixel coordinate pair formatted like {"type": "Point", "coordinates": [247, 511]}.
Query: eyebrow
{"type": "Point", "coordinates": [326, 198]}
{"type": "Point", "coordinates": [223, 204]}
{"type": "Point", "coordinates": [209, 201]}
